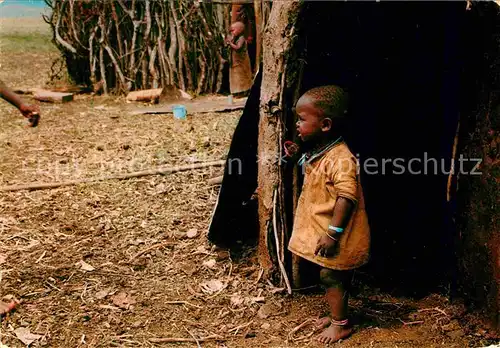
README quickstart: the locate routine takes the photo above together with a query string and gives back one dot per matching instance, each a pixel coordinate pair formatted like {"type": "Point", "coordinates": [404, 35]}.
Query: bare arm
{"type": "Point", "coordinates": [238, 44]}
{"type": "Point", "coordinates": [341, 216]}
{"type": "Point", "coordinates": [10, 96]}
{"type": "Point", "coordinates": [346, 184]}
{"type": "Point", "coordinates": [29, 111]}
{"type": "Point", "coordinates": [342, 212]}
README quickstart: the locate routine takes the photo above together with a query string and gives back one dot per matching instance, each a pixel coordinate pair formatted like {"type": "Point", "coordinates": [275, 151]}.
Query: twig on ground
{"type": "Point", "coordinates": [297, 328]}
{"type": "Point", "coordinates": [41, 257]}
{"type": "Point", "coordinates": [123, 176]}
{"type": "Point", "coordinates": [192, 323]}
{"type": "Point", "coordinates": [411, 322]}
{"type": "Point", "coordinates": [156, 246]}
{"type": "Point", "coordinates": [53, 286]}
{"type": "Point", "coordinates": [182, 339]}
{"type": "Point", "coordinates": [194, 338]}
{"type": "Point", "coordinates": [184, 303]}
{"type": "Point", "coordinates": [433, 309]}
{"type": "Point", "coordinates": [96, 217]}
{"type": "Point", "coordinates": [239, 327]}
{"type": "Point", "coordinates": [305, 288]}
{"type": "Point", "coordinates": [301, 338]}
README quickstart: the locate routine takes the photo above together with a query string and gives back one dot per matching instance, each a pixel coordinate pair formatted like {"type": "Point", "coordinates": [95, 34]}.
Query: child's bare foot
{"type": "Point", "coordinates": [323, 323]}
{"type": "Point", "coordinates": [334, 333]}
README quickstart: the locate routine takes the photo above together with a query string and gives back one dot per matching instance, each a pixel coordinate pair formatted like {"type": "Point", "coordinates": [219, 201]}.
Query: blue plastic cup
{"type": "Point", "coordinates": [180, 112]}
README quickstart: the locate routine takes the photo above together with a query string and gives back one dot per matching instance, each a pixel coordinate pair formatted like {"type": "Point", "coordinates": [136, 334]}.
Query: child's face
{"type": "Point", "coordinates": [236, 29]}
{"type": "Point", "coordinates": [311, 123]}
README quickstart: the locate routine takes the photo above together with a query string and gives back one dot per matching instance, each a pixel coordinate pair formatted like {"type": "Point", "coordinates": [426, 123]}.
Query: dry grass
{"type": "Point", "coordinates": [133, 232]}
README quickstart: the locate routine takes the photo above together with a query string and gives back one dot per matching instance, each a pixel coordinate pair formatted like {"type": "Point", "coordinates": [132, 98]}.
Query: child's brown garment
{"type": "Point", "coordinates": [330, 175]}
{"type": "Point", "coordinates": [240, 75]}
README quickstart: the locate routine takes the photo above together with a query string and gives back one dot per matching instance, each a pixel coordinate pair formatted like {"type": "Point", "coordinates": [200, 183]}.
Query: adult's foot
{"type": "Point", "coordinates": [334, 333]}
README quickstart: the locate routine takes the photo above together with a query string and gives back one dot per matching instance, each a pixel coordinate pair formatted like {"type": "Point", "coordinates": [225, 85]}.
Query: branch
{"type": "Point", "coordinates": [58, 37]}
{"type": "Point", "coordinates": [123, 176]}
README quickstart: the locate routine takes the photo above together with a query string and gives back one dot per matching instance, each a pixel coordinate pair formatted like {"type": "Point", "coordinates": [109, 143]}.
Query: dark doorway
{"type": "Point", "coordinates": [403, 64]}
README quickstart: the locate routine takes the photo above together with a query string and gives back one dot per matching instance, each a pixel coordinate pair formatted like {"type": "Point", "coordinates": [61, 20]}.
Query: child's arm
{"type": "Point", "coordinates": [238, 43]}
{"type": "Point", "coordinates": [345, 182]}
{"type": "Point", "coordinates": [342, 212]}
{"type": "Point", "coordinates": [341, 216]}
{"type": "Point", "coordinates": [29, 111]}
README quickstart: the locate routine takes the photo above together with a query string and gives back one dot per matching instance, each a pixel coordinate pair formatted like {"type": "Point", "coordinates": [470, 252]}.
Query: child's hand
{"type": "Point", "coordinates": [326, 246]}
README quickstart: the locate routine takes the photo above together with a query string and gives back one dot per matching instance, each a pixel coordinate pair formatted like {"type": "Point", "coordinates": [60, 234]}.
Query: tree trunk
{"type": "Point", "coordinates": [279, 42]}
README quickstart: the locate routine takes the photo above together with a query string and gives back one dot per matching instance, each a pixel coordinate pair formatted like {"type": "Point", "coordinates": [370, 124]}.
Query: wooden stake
{"type": "Point", "coordinates": [146, 95]}
{"type": "Point", "coordinates": [452, 168]}
{"type": "Point", "coordinates": [258, 32]}
{"type": "Point", "coordinates": [163, 171]}
{"type": "Point", "coordinates": [52, 97]}
{"type": "Point", "coordinates": [215, 181]}
{"type": "Point", "coordinates": [275, 228]}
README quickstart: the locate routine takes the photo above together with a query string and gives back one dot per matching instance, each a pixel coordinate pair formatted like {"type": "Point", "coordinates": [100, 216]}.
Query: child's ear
{"type": "Point", "coordinates": [326, 124]}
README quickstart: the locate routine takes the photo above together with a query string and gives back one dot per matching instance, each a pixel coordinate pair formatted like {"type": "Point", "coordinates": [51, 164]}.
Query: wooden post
{"type": "Point", "coordinates": [278, 42]}
{"type": "Point", "coordinates": [258, 32]}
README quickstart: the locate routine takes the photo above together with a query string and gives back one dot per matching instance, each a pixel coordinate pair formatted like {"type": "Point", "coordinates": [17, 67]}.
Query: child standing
{"type": "Point", "coordinates": [240, 73]}
{"type": "Point", "coordinates": [331, 226]}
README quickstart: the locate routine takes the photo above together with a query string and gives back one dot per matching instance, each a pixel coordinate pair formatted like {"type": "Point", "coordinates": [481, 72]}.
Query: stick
{"type": "Point", "coordinates": [280, 262]}
{"type": "Point", "coordinates": [183, 303]}
{"type": "Point", "coordinates": [194, 338]}
{"type": "Point", "coordinates": [123, 176]}
{"type": "Point", "coordinates": [411, 322]}
{"type": "Point", "coordinates": [182, 339]}
{"type": "Point", "coordinates": [215, 181]}
{"type": "Point", "coordinates": [452, 168]}
{"type": "Point", "coordinates": [297, 328]}
{"type": "Point", "coordinates": [52, 97]}
{"type": "Point", "coordinates": [437, 309]}
{"type": "Point", "coordinates": [41, 257]}
{"type": "Point", "coordinates": [156, 246]}
{"type": "Point", "coordinates": [145, 95]}
{"type": "Point", "coordinates": [237, 328]}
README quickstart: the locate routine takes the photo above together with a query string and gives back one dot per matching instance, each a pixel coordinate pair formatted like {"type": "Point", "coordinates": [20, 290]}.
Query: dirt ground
{"type": "Point", "coordinates": [142, 278]}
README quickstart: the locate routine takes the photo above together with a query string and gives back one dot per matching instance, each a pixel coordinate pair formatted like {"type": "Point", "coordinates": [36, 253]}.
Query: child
{"type": "Point", "coordinates": [240, 73]}
{"type": "Point", "coordinates": [31, 112]}
{"type": "Point", "coordinates": [331, 226]}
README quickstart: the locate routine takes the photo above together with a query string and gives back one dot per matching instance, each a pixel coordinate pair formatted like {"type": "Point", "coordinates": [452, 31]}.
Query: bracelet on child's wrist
{"type": "Point", "coordinates": [331, 237]}
{"type": "Point", "coordinates": [335, 229]}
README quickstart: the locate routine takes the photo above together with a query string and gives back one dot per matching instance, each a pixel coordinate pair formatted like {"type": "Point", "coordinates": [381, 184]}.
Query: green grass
{"type": "Point", "coordinates": [26, 42]}
{"type": "Point", "coordinates": [25, 35]}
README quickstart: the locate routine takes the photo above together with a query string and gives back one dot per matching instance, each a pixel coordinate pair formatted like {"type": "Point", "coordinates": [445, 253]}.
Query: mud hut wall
{"type": "Point", "coordinates": [476, 198]}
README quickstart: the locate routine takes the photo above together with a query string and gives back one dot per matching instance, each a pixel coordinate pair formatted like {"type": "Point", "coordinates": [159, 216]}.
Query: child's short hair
{"type": "Point", "coordinates": [332, 100]}
{"type": "Point", "coordinates": [239, 24]}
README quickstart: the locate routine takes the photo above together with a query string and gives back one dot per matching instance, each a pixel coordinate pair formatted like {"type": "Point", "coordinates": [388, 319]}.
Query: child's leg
{"type": "Point", "coordinates": [337, 296]}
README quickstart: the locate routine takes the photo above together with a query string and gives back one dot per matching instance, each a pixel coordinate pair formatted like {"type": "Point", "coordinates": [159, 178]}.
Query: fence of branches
{"type": "Point", "coordinates": [125, 45]}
